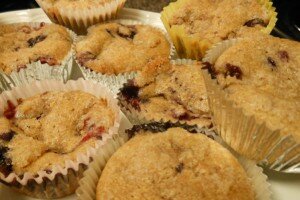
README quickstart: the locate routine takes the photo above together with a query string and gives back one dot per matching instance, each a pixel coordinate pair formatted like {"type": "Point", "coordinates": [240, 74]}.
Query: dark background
{"type": "Point", "coordinates": [288, 24]}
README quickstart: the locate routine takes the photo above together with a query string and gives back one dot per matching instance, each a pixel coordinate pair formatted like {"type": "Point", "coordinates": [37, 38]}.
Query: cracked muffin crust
{"type": "Point", "coordinates": [261, 75]}
{"type": "Point", "coordinates": [48, 129]}
{"type": "Point", "coordinates": [114, 48]}
{"type": "Point", "coordinates": [168, 92]}
{"type": "Point", "coordinates": [174, 164]}
{"type": "Point", "coordinates": [222, 19]}
{"type": "Point", "coordinates": [22, 44]}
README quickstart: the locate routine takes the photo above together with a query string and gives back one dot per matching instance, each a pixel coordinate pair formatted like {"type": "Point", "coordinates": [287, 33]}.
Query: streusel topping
{"type": "Point", "coordinates": [50, 128]}
{"type": "Point", "coordinates": [23, 44]}
{"type": "Point", "coordinates": [170, 92]}
{"type": "Point", "coordinates": [173, 165]}
{"type": "Point", "coordinates": [221, 19]}
{"type": "Point", "coordinates": [115, 48]}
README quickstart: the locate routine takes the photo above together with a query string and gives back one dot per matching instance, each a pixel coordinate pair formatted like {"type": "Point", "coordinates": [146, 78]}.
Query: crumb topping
{"type": "Point", "coordinates": [22, 44]}
{"type": "Point", "coordinates": [221, 19]}
{"type": "Point", "coordinates": [115, 48]}
{"type": "Point", "coordinates": [55, 124]}
{"type": "Point", "coordinates": [177, 165]}
{"type": "Point", "coordinates": [170, 92]}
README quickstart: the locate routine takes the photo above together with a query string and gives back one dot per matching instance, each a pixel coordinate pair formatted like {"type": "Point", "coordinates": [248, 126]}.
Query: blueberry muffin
{"type": "Point", "coordinates": [48, 129]}
{"type": "Point", "coordinates": [198, 24]}
{"type": "Point", "coordinates": [114, 48]}
{"type": "Point", "coordinates": [173, 164]}
{"type": "Point", "coordinates": [261, 76]}
{"type": "Point", "coordinates": [79, 15]}
{"type": "Point", "coordinates": [167, 92]}
{"type": "Point", "coordinates": [25, 43]}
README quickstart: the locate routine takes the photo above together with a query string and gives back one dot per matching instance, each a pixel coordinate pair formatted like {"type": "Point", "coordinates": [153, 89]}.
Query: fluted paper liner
{"type": "Point", "coordinates": [115, 82]}
{"type": "Point", "coordinates": [193, 47]}
{"type": "Point", "coordinates": [88, 184]}
{"type": "Point", "coordinates": [244, 133]}
{"type": "Point", "coordinates": [62, 180]}
{"type": "Point", "coordinates": [38, 71]}
{"type": "Point", "coordinates": [80, 18]}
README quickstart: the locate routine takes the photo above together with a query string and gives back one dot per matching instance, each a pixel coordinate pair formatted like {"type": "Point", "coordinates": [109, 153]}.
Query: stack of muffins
{"type": "Point", "coordinates": [202, 123]}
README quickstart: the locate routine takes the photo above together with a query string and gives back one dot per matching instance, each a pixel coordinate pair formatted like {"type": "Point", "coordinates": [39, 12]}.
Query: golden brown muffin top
{"type": "Point", "coordinates": [23, 44]}
{"type": "Point", "coordinates": [217, 20]}
{"type": "Point", "coordinates": [173, 165]}
{"type": "Point", "coordinates": [75, 3]}
{"type": "Point", "coordinates": [114, 48]}
{"type": "Point", "coordinates": [261, 74]}
{"type": "Point", "coordinates": [53, 127]}
{"type": "Point", "coordinates": [172, 92]}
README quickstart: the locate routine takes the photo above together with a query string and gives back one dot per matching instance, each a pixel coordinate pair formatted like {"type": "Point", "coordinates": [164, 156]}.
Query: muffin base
{"type": "Point", "coordinates": [38, 71]}
{"type": "Point", "coordinates": [60, 181]}
{"type": "Point", "coordinates": [88, 184]}
{"type": "Point", "coordinates": [79, 19]}
{"type": "Point", "coordinates": [244, 133]}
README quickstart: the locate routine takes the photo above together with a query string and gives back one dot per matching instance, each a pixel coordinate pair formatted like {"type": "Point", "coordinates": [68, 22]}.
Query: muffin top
{"type": "Point", "coordinates": [169, 92]}
{"type": "Point", "coordinates": [261, 74]}
{"type": "Point", "coordinates": [174, 164]}
{"type": "Point", "coordinates": [115, 48]}
{"type": "Point", "coordinates": [50, 128]}
{"type": "Point", "coordinates": [220, 19]}
{"type": "Point", "coordinates": [23, 43]}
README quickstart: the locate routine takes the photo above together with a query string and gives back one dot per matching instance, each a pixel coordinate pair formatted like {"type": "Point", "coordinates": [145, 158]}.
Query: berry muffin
{"type": "Point", "coordinates": [178, 165]}
{"type": "Point", "coordinates": [25, 43]}
{"type": "Point", "coordinates": [195, 25]}
{"type": "Point", "coordinates": [167, 92]}
{"type": "Point", "coordinates": [49, 131]}
{"type": "Point", "coordinates": [257, 81]}
{"type": "Point", "coordinates": [79, 15]}
{"type": "Point", "coordinates": [115, 48]}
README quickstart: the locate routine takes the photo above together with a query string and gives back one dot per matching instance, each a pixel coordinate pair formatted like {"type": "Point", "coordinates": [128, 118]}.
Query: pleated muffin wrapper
{"type": "Point", "coordinates": [79, 18]}
{"type": "Point", "coordinates": [39, 71]}
{"type": "Point", "coordinates": [59, 181]}
{"type": "Point", "coordinates": [194, 47]}
{"type": "Point", "coordinates": [115, 82]}
{"type": "Point", "coordinates": [88, 184]}
{"type": "Point", "coordinates": [243, 132]}
{"type": "Point", "coordinates": [136, 117]}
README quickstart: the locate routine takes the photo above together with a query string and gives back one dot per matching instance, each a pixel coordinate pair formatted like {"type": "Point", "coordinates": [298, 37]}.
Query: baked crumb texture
{"type": "Point", "coordinates": [173, 165]}
{"type": "Point", "coordinates": [49, 129]}
{"type": "Point", "coordinates": [260, 75]}
{"type": "Point", "coordinates": [25, 43]}
{"type": "Point", "coordinates": [166, 92]}
{"type": "Point", "coordinates": [115, 48]}
{"type": "Point", "coordinates": [195, 25]}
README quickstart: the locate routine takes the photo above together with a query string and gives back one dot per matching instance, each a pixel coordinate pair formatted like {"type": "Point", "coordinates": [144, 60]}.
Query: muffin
{"type": "Point", "coordinates": [256, 80]}
{"type": "Point", "coordinates": [167, 92]}
{"type": "Point", "coordinates": [79, 15]}
{"type": "Point", "coordinates": [60, 131]}
{"type": "Point", "coordinates": [178, 165]}
{"type": "Point", "coordinates": [114, 49]}
{"type": "Point", "coordinates": [28, 49]}
{"type": "Point", "coordinates": [195, 25]}
{"type": "Point", "coordinates": [23, 44]}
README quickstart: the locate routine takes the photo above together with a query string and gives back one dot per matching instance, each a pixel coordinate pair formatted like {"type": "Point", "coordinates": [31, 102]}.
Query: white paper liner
{"type": "Point", "coordinates": [115, 82]}
{"type": "Point", "coordinates": [135, 117]}
{"type": "Point", "coordinates": [80, 18]}
{"type": "Point", "coordinates": [88, 184]}
{"type": "Point", "coordinates": [254, 139]}
{"type": "Point", "coordinates": [71, 167]}
{"type": "Point", "coordinates": [38, 71]}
